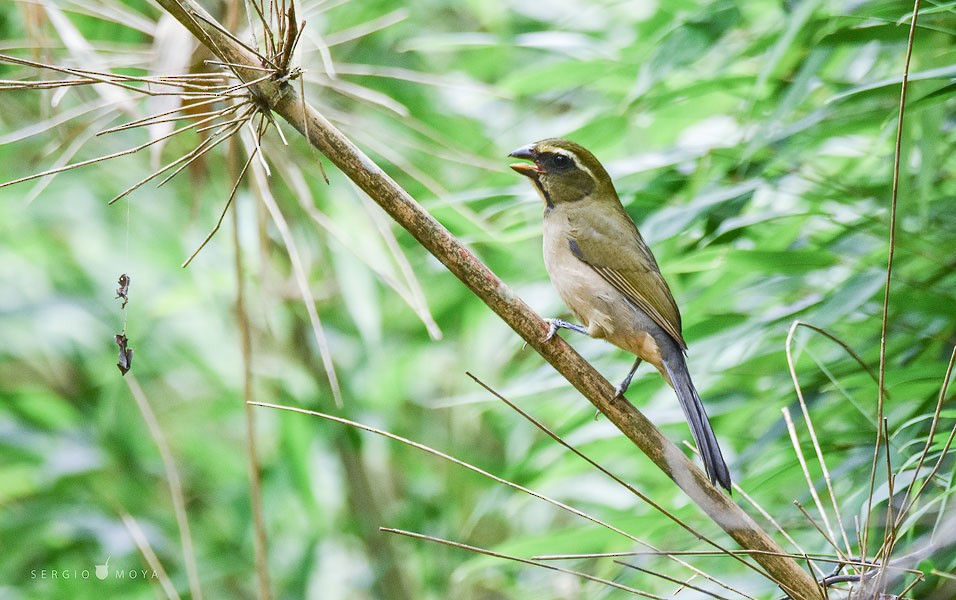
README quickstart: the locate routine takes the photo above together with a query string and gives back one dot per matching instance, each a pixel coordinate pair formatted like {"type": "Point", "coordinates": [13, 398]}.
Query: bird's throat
{"type": "Point", "coordinates": [544, 194]}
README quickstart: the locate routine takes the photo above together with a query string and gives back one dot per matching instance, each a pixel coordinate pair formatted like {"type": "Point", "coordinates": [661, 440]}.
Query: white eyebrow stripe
{"type": "Point", "coordinates": [563, 152]}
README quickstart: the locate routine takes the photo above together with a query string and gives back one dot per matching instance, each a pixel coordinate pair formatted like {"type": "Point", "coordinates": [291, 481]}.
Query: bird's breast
{"type": "Point", "coordinates": [582, 289]}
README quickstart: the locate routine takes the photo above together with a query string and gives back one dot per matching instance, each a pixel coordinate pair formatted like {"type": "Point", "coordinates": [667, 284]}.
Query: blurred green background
{"type": "Point", "coordinates": [753, 142]}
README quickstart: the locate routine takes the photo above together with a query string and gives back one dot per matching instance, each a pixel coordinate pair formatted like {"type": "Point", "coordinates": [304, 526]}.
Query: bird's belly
{"type": "Point", "coordinates": [599, 306]}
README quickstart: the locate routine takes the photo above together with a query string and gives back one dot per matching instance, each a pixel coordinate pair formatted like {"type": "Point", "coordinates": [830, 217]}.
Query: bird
{"type": "Point", "coordinates": [607, 276]}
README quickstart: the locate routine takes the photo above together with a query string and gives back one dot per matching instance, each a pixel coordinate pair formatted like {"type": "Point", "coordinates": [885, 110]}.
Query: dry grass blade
{"type": "Point", "coordinates": [366, 28]}
{"type": "Point", "coordinates": [795, 442]}
{"type": "Point", "coordinates": [525, 561]}
{"type": "Point", "coordinates": [142, 543]}
{"type": "Point", "coordinates": [87, 133]}
{"type": "Point", "coordinates": [893, 532]}
{"type": "Point", "coordinates": [255, 139]}
{"type": "Point", "coordinates": [421, 77]}
{"type": "Point", "coordinates": [175, 484]}
{"type": "Point", "coordinates": [846, 347]}
{"type": "Point", "coordinates": [456, 461]}
{"type": "Point", "coordinates": [399, 158]}
{"type": "Point", "coordinates": [821, 558]}
{"type": "Point", "coordinates": [910, 498]}
{"type": "Point", "coordinates": [84, 163]}
{"type": "Point", "coordinates": [247, 85]}
{"type": "Point", "coordinates": [81, 52]}
{"type": "Point", "coordinates": [325, 55]}
{"type": "Point", "coordinates": [254, 7]}
{"type": "Point", "coordinates": [113, 11]}
{"type": "Point", "coordinates": [301, 191]}
{"type": "Point", "coordinates": [221, 131]}
{"type": "Point", "coordinates": [301, 278]}
{"type": "Point", "coordinates": [950, 576]}
{"type": "Point", "coordinates": [36, 128]}
{"type": "Point", "coordinates": [406, 285]}
{"type": "Point", "coordinates": [416, 294]}
{"type": "Point", "coordinates": [198, 16]}
{"type": "Point", "coordinates": [280, 34]}
{"type": "Point", "coordinates": [360, 92]}
{"type": "Point", "coordinates": [229, 65]}
{"type": "Point", "coordinates": [294, 35]}
{"type": "Point", "coordinates": [813, 438]}
{"type": "Point", "coordinates": [916, 581]}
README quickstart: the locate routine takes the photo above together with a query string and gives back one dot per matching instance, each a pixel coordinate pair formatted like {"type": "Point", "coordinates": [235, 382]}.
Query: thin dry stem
{"type": "Point", "coordinates": [819, 529]}
{"type": "Point", "coordinates": [159, 117]}
{"type": "Point", "coordinates": [187, 83]}
{"type": "Point", "coordinates": [525, 561]}
{"type": "Point", "coordinates": [221, 46]}
{"type": "Point", "coordinates": [683, 584]}
{"type": "Point", "coordinates": [916, 581]}
{"type": "Point", "coordinates": [225, 209]}
{"type": "Point", "coordinates": [71, 150]}
{"type": "Point", "coordinates": [142, 543]}
{"type": "Point", "coordinates": [248, 395]}
{"type": "Point", "coordinates": [460, 463]}
{"type": "Point", "coordinates": [221, 132]}
{"type": "Point", "coordinates": [172, 478]}
{"type": "Point", "coordinates": [821, 558]}
{"type": "Point", "coordinates": [371, 26]}
{"type": "Point", "coordinates": [106, 157]}
{"type": "Point", "coordinates": [186, 159]}
{"type": "Point", "coordinates": [894, 198]}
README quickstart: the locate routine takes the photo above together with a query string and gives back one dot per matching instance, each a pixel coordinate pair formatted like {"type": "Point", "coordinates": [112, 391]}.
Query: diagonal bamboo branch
{"type": "Point", "coordinates": [281, 98]}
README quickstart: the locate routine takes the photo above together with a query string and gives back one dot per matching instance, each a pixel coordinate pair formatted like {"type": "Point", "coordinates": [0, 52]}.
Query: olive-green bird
{"type": "Point", "coordinates": [606, 274]}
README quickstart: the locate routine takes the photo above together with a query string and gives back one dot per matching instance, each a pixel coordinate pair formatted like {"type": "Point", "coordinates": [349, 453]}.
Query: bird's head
{"type": "Point", "coordinates": [563, 171]}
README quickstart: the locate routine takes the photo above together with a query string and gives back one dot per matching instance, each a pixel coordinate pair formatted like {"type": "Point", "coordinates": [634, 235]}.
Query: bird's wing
{"type": "Point", "coordinates": [610, 243]}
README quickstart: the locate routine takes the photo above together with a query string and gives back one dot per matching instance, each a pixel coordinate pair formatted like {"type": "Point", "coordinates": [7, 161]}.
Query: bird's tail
{"type": "Point", "coordinates": [697, 419]}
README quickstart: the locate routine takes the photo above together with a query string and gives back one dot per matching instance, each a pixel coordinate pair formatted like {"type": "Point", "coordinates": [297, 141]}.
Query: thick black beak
{"type": "Point", "coordinates": [527, 153]}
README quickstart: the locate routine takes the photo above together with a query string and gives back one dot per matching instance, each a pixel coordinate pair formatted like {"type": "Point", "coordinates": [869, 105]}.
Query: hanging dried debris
{"type": "Point", "coordinates": [125, 362]}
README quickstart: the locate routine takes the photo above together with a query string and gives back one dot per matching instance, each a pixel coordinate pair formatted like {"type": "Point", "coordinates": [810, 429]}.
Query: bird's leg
{"type": "Point", "coordinates": [627, 380]}
{"type": "Point", "coordinates": [555, 324]}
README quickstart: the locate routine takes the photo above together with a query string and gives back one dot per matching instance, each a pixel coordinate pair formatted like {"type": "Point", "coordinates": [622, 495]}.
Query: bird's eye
{"type": "Point", "coordinates": [560, 161]}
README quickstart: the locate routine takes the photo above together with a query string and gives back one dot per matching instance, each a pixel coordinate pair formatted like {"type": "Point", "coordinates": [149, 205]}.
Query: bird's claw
{"type": "Point", "coordinates": [552, 329]}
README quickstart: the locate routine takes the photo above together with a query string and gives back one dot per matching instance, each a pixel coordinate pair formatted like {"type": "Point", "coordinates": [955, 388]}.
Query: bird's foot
{"type": "Point", "coordinates": [555, 324]}
{"type": "Point", "coordinates": [619, 390]}
{"type": "Point", "coordinates": [552, 329]}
